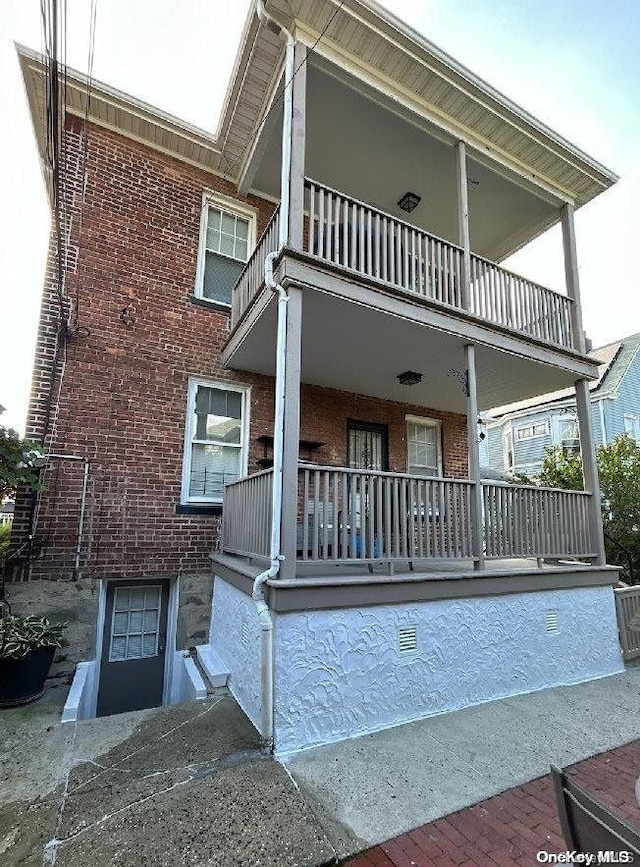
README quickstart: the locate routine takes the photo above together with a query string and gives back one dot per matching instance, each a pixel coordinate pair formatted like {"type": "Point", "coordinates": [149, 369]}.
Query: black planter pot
{"type": "Point", "coordinates": [22, 680]}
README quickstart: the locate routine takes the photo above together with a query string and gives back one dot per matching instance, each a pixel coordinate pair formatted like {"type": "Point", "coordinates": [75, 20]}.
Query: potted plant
{"type": "Point", "coordinates": [27, 647]}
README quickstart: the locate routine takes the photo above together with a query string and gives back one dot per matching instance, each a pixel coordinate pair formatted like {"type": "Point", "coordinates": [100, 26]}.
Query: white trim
{"type": "Point", "coordinates": [192, 388]}
{"type": "Point", "coordinates": [226, 203]}
{"type": "Point", "coordinates": [170, 645]}
{"type": "Point", "coordinates": [427, 421]}
{"type": "Point", "coordinates": [100, 622]}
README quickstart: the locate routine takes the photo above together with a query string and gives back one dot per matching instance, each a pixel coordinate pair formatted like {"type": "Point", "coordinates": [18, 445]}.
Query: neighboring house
{"type": "Point", "coordinates": [518, 435]}
{"type": "Point", "coordinates": [6, 512]}
{"type": "Point", "coordinates": [331, 253]}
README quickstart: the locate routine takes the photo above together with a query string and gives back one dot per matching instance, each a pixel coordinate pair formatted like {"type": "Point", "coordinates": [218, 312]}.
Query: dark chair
{"type": "Point", "coordinates": [588, 826]}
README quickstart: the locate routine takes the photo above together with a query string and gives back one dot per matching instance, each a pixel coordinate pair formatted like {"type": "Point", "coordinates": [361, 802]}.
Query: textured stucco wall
{"type": "Point", "coordinates": [235, 636]}
{"type": "Point", "coordinates": [339, 673]}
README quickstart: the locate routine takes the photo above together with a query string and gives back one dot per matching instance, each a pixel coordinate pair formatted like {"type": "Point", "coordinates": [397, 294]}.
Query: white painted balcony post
{"type": "Point", "coordinates": [474, 457]}
{"type": "Point", "coordinates": [590, 468]}
{"type": "Point", "coordinates": [298, 138]}
{"type": "Point", "coordinates": [289, 521]}
{"type": "Point", "coordinates": [571, 276]}
{"type": "Point", "coordinates": [463, 223]}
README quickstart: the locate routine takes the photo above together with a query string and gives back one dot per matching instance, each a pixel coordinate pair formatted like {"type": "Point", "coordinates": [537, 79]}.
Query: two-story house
{"type": "Point", "coordinates": [518, 436]}
{"type": "Point", "coordinates": [269, 349]}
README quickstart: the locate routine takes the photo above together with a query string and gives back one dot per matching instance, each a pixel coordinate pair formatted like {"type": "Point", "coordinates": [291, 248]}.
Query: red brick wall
{"type": "Point", "coordinates": [123, 395]}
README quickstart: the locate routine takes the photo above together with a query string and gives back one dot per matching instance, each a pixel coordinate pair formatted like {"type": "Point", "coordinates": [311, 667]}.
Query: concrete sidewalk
{"type": "Point", "coordinates": [171, 786]}
{"type": "Point", "coordinates": [189, 785]}
{"type": "Point", "coordinates": [382, 785]}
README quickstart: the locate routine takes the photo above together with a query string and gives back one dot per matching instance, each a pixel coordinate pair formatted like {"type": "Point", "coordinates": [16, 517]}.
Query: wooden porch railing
{"type": "Point", "coordinates": [252, 278]}
{"type": "Point", "coordinates": [628, 611]}
{"type": "Point", "coordinates": [350, 515]}
{"type": "Point", "coordinates": [347, 516]}
{"type": "Point", "coordinates": [246, 517]}
{"type": "Point", "coordinates": [354, 235]}
{"type": "Point", "coordinates": [527, 521]}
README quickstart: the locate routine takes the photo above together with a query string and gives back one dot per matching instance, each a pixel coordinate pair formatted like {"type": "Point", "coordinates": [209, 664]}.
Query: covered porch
{"type": "Point", "coordinates": [352, 521]}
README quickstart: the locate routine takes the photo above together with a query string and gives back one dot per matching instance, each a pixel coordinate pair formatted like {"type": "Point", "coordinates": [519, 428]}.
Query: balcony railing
{"type": "Point", "coordinates": [356, 236]}
{"type": "Point", "coordinates": [252, 278]}
{"type": "Point", "coordinates": [246, 517]}
{"type": "Point", "coordinates": [365, 516]}
{"type": "Point", "coordinates": [527, 521]}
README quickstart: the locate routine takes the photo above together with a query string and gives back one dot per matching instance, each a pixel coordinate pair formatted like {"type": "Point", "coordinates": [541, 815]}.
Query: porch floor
{"type": "Point", "coordinates": [422, 569]}
{"type": "Point", "coordinates": [326, 585]}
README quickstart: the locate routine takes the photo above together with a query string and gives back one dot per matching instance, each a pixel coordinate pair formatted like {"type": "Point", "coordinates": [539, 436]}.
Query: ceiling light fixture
{"type": "Point", "coordinates": [409, 377]}
{"type": "Point", "coordinates": [409, 201]}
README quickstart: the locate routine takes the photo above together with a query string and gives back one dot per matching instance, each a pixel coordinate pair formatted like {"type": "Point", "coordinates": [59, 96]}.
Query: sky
{"type": "Point", "coordinates": [574, 64]}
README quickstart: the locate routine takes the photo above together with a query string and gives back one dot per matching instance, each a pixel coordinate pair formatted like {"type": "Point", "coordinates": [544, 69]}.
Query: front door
{"type": "Point", "coordinates": [368, 445]}
{"type": "Point", "coordinates": [133, 646]}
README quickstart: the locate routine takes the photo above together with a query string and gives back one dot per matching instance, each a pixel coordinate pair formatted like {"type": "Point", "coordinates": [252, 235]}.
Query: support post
{"type": "Point", "coordinates": [477, 538]}
{"type": "Point", "coordinates": [298, 138]}
{"type": "Point", "coordinates": [571, 277]}
{"type": "Point", "coordinates": [590, 468]}
{"type": "Point", "coordinates": [463, 223]}
{"type": "Point", "coordinates": [291, 434]}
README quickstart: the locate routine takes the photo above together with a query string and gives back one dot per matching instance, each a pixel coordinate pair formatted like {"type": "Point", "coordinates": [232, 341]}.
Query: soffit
{"type": "Point", "coordinates": [374, 43]}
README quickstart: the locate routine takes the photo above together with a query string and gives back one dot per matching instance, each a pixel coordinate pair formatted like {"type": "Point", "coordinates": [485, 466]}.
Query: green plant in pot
{"type": "Point", "coordinates": [27, 647]}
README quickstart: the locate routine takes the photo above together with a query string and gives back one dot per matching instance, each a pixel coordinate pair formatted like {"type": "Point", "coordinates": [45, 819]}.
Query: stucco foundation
{"type": "Point", "coordinates": [341, 673]}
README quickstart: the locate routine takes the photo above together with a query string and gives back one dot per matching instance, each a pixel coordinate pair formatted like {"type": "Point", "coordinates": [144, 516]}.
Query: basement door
{"type": "Point", "coordinates": [133, 646]}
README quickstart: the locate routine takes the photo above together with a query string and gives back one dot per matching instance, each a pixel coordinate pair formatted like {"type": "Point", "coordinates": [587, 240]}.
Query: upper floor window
{"type": "Point", "coordinates": [530, 431]}
{"type": "Point", "coordinates": [424, 446]}
{"type": "Point", "coordinates": [632, 426]}
{"type": "Point", "coordinates": [569, 430]}
{"type": "Point", "coordinates": [227, 235]}
{"type": "Point", "coordinates": [216, 440]}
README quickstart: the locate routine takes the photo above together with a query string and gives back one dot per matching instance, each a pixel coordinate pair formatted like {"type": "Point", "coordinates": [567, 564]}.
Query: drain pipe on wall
{"type": "Point", "coordinates": [258, 595]}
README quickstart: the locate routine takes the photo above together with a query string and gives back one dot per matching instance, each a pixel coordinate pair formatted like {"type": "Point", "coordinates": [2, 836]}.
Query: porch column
{"type": "Point", "coordinates": [298, 135]}
{"type": "Point", "coordinates": [571, 276]}
{"type": "Point", "coordinates": [463, 223]}
{"type": "Point", "coordinates": [291, 434]}
{"type": "Point", "coordinates": [590, 468]}
{"type": "Point", "coordinates": [474, 457]}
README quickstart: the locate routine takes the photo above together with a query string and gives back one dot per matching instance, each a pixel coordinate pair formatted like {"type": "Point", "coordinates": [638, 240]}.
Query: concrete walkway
{"type": "Point", "coordinates": [188, 784]}
{"type": "Point", "coordinates": [382, 785]}
{"type": "Point", "coordinates": [172, 786]}
{"type": "Point", "coordinates": [512, 828]}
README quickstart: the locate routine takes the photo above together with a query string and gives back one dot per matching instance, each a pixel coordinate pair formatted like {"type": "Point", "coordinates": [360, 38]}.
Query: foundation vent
{"type": "Point", "coordinates": [551, 620]}
{"type": "Point", "coordinates": [407, 639]}
{"type": "Point", "coordinates": [244, 633]}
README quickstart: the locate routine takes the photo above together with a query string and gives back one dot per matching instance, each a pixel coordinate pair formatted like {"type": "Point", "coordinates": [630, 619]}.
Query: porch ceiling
{"type": "Point", "coordinates": [359, 349]}
{"type": "Point", "coordinates": [359, 144]}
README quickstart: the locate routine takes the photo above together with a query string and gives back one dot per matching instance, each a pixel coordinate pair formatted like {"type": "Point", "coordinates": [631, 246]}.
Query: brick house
{"type": "Point", "coordinates": [364, 573]}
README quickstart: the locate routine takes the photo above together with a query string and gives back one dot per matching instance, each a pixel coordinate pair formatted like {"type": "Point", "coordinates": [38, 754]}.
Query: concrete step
{"type": "Point", "coordinates": [215, 672]}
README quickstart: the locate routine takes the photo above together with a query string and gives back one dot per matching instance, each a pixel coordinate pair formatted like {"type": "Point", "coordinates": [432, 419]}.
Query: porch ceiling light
{"type": "Point", "coordinates": [409, 377]}
{"type": "Point", "coordinates": [409, 201]}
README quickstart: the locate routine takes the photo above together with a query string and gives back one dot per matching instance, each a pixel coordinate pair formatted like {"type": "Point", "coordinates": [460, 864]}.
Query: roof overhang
{"type": "Point", "coordinates": [365, 41]}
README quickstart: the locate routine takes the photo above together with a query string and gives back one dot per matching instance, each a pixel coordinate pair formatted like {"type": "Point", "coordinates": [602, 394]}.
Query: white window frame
{"type": "Point", "coordinates": [635, 424]}
{"type": "Point", "coordinates": [233, 206]}
{"type": "Point", "coordinates": [507, 440]}
{"type": "Point", "coordinates": [567, 420]}
{"type": "Point", "coordinates": [428, 422]}
{"type": "Point", "coordinates": [245, 391]}
{"type": "Point", "coordinates": [534, 436]}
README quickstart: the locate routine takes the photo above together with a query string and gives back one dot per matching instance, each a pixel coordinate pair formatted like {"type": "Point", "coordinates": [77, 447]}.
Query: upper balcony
{"type": "Point", "coordinates": [374, 276]}
{"type": "Point", "coordinates": [374, 247]}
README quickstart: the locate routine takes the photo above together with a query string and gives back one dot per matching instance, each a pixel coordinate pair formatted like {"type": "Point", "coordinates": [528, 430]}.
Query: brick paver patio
{"type": "Point", "coordinates": [510, 828]}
